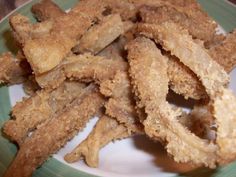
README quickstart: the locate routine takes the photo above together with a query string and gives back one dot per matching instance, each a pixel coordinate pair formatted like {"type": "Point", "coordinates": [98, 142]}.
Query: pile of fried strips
{"type": "Point", "coordinates": [120, 60]}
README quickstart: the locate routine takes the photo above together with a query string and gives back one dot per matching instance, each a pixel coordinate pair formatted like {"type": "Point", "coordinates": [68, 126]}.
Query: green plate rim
{"type": "Point", "coordinates": [225, 16]}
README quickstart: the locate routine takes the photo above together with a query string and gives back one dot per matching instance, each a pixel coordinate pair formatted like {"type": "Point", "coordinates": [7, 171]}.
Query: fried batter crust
{"type": "Point", "coordinates": [47, 52]}
{"type": "Point", "coordinates": [177, 40]}
{"type": "Point", "coordinates": [225, 53]}
{"type": "Point", "coordinates": [10, 70]}
{"type": "Point", "coordinates": [54, 134]}
{"type": "Point", "coordinates": [84, 68]}
{"type": "Point", "coordinates": [101, 35]}
{"type": "Point", "coordinates": [106, 130]}
{"type": "Point", "coordinates": [32, 112]}
{"type": "Point", "coordinates": [151, 87]}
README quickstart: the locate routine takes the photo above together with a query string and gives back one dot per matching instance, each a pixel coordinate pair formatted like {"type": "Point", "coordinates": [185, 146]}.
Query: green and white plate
{"type": "Point", "coordinates": [134, 157]}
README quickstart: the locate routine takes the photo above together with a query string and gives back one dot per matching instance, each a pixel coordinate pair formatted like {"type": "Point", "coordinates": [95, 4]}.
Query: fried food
{"type": "Point", "coordinates": [121, 104]}
{"type": "Point", "coordinates": [11, 71]}
{"type": "Point", "coordinates": [101, 35]}
{"type": "Point", "coordinates": [32, 112]}
{"type": "Point", "coordinates": [191, 54]}
{"type": "Point", "coordinates": [54, 134]}
{"type": "Point", "coordinates": [106, 130]}
{"type": "Point", "coordinates": [183, 81]}
{"type": "Point", "coordinates": [225, 115]}
{"type": "Point", "coordinates": [46, 10]}
{"type": "Point", "coordinates": [24, 30]}
{"type": "Point", "coordinates": [225, 53]}
{"type": "Point", "coordinates": [84, 68]}
{"type": "Point", "coordinates": [156, 15]}
{"type": "Point", "coordinates": [151, 87]}
{"type": "Point", "coordinates": [47, 52]}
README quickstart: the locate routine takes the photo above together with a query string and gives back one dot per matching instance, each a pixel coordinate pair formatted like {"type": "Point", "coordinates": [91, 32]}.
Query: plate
{"type": "Point", "coordinates": [133, 157]}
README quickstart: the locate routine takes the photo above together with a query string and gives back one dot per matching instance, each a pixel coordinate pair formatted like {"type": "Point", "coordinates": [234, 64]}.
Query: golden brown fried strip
{"type": "Point", "coordinates": [24, 30]}
{"type": "Point", "coordinates": [85, 68]}
{"type": "Point", "coordinates": [183, 81]}
{"type": "Point", "coordinates": [225, 114]}
{"type": "Point", "coordinates": [106, 130]}
{"type": "Point", "coordinates": [180, 43]}
{"type": "Point", "coordinates": [101, 35]}
{"type": "Point", "coordinates": [32, 112]}
{"type": "Point", "coordinates": [47, 52]}
{"type": "Point", "coordinates": [121, 104]}
{"type": "Point", "coordinates": [151, 86]}
{"type": "Point", "coordinates": [204, 30]}
{"type": "Point", "coordinates": [10, 70]}
{"type": "Point", "coordinates": [46, 10]}
{"type": "Point", "coordinates": [225, 53]}
{"type": "Point", "coordinates": [54, 134]}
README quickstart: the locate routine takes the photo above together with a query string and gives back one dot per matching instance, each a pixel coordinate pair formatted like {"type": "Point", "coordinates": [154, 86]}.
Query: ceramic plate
{"type": "Point", "coordinates": [133, 157]}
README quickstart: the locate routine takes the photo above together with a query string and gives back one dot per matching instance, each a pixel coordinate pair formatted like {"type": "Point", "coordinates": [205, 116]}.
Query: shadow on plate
{"type": "Point", "coordinates": [165, 162]}
{"type": "Point", "coordinates": [10, 42]}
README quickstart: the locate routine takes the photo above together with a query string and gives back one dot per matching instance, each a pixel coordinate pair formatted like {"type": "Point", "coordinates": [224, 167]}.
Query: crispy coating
{"type": "Point", "coordinates": [121, 104]}
{"type": "Point", "coordinates": [44, 105]}
{"type": "Point", "coordinates": [106, 130]}
{"type": "Point", "coordinates": [24, 30]}
{"type": "Point", "coordinates": [11, 71]}
{"type": "Point", "coordinates": [225, 114]}
{"type": "Point", "coordinates": [225, 53]}
{"type": "Point", "coordinates": [47, 52]}
{"type": "Point", "coordinates": [151, 87]}
{"type": "Point", "coordinates": [101, 35]}
{"type": "Point", "coordinates": [177, 40]}
{"type": "Point", "coordinates": [183, 81]}
{"type": "Point", "coordinates": [204, 31]}
{"type": "Point", "coordinates": [54, 134]}
{"type": "Point", "coordinates": [84, 67]}
{"type": "Point", "coordinates": [46, 10]}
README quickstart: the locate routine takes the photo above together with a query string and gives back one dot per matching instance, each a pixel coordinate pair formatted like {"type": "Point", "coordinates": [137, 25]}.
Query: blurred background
{"type": "Point", "coordinates": [7, 6]}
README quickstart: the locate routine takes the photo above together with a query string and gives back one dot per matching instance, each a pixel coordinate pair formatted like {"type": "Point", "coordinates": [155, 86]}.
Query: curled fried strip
{"type": "Point", "coordinates": [225, 114]}
{"type": "Point", "coordinates": [151, 87]}
{"type": "Point", "coordinates": [46, 9]}
{"type": "Point", "coordinates": [106, 130]}
{"type": "Point", "coordinates": [33, 111]}
{"type": "Point", "coordinates": [85, 68]}
{"type": "Point", "coordinates": [180, 43]}
{"type": "Point", "coordinates": [54, 134]}
{"type": "Point", "coordinates": [101, 35]}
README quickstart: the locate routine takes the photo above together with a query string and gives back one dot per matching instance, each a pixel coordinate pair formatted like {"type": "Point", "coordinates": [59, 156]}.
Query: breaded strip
{"type": "Point", "coordinates": [10, 70]}
{"type": "Point", "coordinates": [225, 114]}
{"type": "Point", "coordinates": [101, 35]}
{"type": "Point", "coordinates": [46, 10]}
{"type": "Point", "coordinates": [225, 53]}
{"type": "Point", "coordinates": [151, 87]}
{"type": "Point", "coordinates": [183, 81]}
{"type": "Point", "coordinates": [180, 43]}
{"type": "Point", "coordinates": [166, 13]}
{"type": "Point", "coordinates": [106, 130]}
{"type": "Point", "coordinates": [24, 30]}
{"type": "Point", "coordinates": [54, 134]}
{"type": "Point", "coordinates": [47, 52]}
{"type": "Point", "coordinates": [32, 112]}
{"type": "Point", "coordinates": [121, 104]}
{"type": "Point", "coordinates": [85, 68]}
